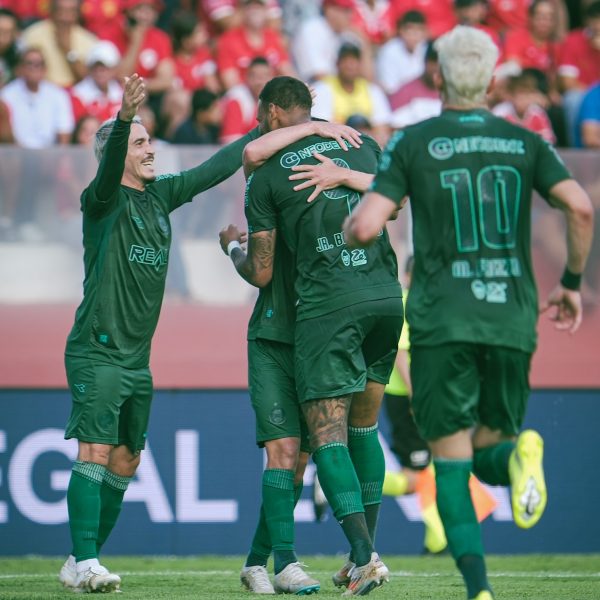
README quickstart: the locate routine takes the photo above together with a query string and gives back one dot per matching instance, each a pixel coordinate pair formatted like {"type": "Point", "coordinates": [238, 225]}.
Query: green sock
{"type": "Point", "coordinates": [491, 464]}
{"type": "Point", "coordinates": [278, 501]}
{"type": "Point", "coordinates": [111, 499]}
{"type": "Point", "coordinates": [338, 479]}
{"type": "Point", "coordinates": [83, 501]}
{"type": "Point", "coordinates": [261, 543]}
{"type": "Point", "coordinates": [369, 463]}
{"type": "Point", "coordinates": [260, 548]}
{"type": "Point", "coordinates": [460, 522]}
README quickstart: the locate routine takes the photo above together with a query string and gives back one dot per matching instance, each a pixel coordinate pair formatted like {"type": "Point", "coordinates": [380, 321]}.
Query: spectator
{"type": "Point", "coordinates": [241, 101]}
{"type": "Point", "coordinates": [6, 136]}
{"type": "Point", "coordinates": [579, 64]}
{"type": "Point", "coordinates": [536, 45]}
{"type": "Point", "coordinates": [63, 42]}
{"type": "Point", "coordinates": [525, 106]}
{"type": "Point", "coordinates": [439, 14]}
{"type": "Point", "coordinates": [40, 111]}
{"type": "Point", "coordinates": [237, 47]}
{"type": "Point", "coordinates": [511, 15]}
{"type": "Point", "coordinates": [587, 128]}
{"type": "Point", "coordinates": [372, 19]}
{"type": "Point", "coordinates": [402, 58]}
{"type": "Point", "coordinates": [146, 50]}
{"type": "Point", "coordinates": [194, 64]}
{"type": "Point", "coordinates": [317, 42]}
{"type": "Point", "coordinates": [99, 94]}
{"type": "Point", "coordinates": [473, 13]}
{"type": "Point", "coordinates": [419, 99]}
{"type": "Point", "coordinates": [9, 29]}
{"type": "Point", "coordinates": [85, 131]}
{"type": "Point", "coordinates": [204, 126]}
{"type": "Point", "coordinates": [295, 12]}
{"type": "Point", "coordinates": [102, 17]}
{"type": "Point", "coordinates": [347, 93]}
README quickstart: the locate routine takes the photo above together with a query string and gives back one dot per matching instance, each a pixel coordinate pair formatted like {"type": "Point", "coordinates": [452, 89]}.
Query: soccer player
{"type": "Point", "coordinates": [280, 425]}
{"type": "Point", "coordinates": [348, 321]}
{"type": "Point", "coordinates": [472, 307]}
{"type": "Point", "coordinates": [126, 236]}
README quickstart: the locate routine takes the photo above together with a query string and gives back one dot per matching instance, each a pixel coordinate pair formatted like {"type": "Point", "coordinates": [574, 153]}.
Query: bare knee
{"type": "Point", "coordinates": [123, 462]}
{"type": "Point", "coordinates": [283, 453]}
{"type": "Point", "coordinates": [364, 410]}
{"type": "Point", "coordinates": [327, 421]}
{"type": "Point", "coordinates": [301, 467]}
{"type": "Point", "coordinates": [485, 437]}
{"type": "Point", "coordinates": [457, 446]}
{"type": "Point", "coordinates": [94, 453]}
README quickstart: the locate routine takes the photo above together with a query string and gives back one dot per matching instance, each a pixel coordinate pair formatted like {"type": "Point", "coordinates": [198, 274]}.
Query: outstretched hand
{"type": "Point", "coordinates": [229, 234]}
{"type": "Point", "coordinates": [325, 175]}
{"type": "Point", "coordinates": [134, 93]}
{"type": "Point", "coordinates": [568, 312]}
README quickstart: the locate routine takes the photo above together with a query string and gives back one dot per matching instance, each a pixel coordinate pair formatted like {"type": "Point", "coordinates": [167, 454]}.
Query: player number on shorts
{"type": "Point", "coordinates": [488, 210]}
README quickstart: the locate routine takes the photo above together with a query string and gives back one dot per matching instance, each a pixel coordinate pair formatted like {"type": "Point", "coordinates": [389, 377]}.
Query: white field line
{"type": "Point", "coordinates": [228, 573]}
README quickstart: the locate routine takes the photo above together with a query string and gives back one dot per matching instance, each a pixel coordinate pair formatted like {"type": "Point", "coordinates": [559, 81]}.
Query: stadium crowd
{"type": "Point", "coordinates": [370, 62]}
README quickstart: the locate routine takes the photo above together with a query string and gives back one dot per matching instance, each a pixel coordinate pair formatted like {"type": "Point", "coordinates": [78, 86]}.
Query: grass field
{"type": "Point", "coordinates": [527, 577]}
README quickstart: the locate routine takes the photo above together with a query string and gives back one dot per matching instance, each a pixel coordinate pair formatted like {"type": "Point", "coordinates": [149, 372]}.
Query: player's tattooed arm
{"type": "Point", "coordinates": [256, 265]}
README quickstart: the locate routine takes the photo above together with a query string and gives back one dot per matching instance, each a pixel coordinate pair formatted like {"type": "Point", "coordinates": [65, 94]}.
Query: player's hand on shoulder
{"type": "Point", "coordinates": [567, 308]}
{"type": "Point", "coordinates": [229, 234]}
{"type": "Point", "coordinates": [134, 93]}
{"type": "Point", "coordinates": [342, 134]}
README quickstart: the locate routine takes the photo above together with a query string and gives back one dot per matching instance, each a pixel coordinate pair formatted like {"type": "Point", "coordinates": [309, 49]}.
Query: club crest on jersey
{"type": "Point", "coordinates": [441, 148]}
{"type": "Point", "coordinates": [162, 223]}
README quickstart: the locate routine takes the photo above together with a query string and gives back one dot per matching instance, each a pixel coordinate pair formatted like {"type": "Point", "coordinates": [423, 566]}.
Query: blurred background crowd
{"type": "Point", "coordinates": [371, 63]}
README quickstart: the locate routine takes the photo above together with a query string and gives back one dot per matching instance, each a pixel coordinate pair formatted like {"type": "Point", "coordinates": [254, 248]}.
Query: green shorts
{"type": "Point", "coordinates": [336, 353]}
{"type": "Point", "coordinates": [273, 393]}
{"type": "Point", "coordinates": [459, 385]}
{"type": "Point", "coordinates": [111, 404]}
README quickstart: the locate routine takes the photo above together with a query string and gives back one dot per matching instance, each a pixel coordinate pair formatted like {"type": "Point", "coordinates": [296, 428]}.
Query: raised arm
{"type": "Point", "coordinates": [572, 199]}
{"type": "Point", "coordinates": [259, 151]}
{"type": "Point", "coordinates": [255, 266]}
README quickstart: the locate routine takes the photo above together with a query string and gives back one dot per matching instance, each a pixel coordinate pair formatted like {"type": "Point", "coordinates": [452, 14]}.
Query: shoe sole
{"type": "Point", "coordinates": [339, 582]}
{"type": "Point", "coordinates": [527, 478]}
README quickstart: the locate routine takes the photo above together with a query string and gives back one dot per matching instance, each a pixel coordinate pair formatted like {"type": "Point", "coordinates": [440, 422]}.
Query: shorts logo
{"type": "Point", "coordinates": [277, 416]}
{"type": "Point", "coordinates": [441, 148]}
{"type": "Point", "coordinates": [80, 387]}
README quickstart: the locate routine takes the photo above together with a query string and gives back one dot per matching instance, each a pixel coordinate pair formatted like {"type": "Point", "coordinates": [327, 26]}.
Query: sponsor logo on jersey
{"type": "Point", "coordinates": [149, 256]}
{"type": "Point", "coordinates": [138, 221]}
{"type": "Point", "coordinates": [291, 159]}
{"type": "Point", "coordinates": [443, 148]}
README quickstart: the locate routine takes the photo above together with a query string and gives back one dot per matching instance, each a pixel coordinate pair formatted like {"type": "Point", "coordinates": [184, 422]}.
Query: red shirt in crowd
{"type": "Point", "coordinates": [235, 52]}
{"type": "Point", "coordinates": [102, 17]}
{"type": "Point", "coordinates": [439, 13]}
{"type": "Point", "coordinates": [155, 48]}
{"type": "Point", "coordinates": [579, 59]}
{"type": "Point", "coordinates": [239, 113]}
{"type": "Point", "coordinates": [87, 99]}
{"type": "Point", "coordinates": [535, 119]}
{"type": "Point", "coordinates": [27, 10]}
{"type": "Point", "coordinates": [375, 23]}
{"type": "Point", "coordinates": [520, 46]}
{"type": "Point", "coordinates": [507, 14]}
{"type": "Point", "coordinates": [211, 11]}
{"type": "Point", "coordinates": [190, 74]}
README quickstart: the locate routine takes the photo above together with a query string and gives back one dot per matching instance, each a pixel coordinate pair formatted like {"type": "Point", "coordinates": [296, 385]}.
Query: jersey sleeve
{"type": "Point", "coordinates": [102, 194]}
{"type": "Point", "coordinates": [259, 204]}
{"type": "Point", "coordinates": [391, 178]}
{"type": "Point", "coordinates": [549, 168]}
{"type": "Point", "coordinates": [211, 172]}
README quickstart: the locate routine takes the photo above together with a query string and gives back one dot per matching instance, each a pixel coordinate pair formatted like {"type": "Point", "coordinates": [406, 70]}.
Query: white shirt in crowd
{"type": "Point", "coordinates": [397, 66]}
{"type": "Point", "coordinates": [38, 117]}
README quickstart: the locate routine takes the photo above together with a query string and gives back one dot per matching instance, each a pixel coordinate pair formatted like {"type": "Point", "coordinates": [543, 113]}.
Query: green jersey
{"type": "Point", "coordinates": [274, 313]}
{"type": "Point", "coordinates": [470, 178]}
{"type": "Point", "coordinates": [126, 239]}
{"type": "Point", "coordinates": [329, 276]}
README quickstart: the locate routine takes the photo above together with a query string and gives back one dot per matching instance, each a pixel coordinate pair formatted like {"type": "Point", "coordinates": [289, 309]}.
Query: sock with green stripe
{"type": "Point", "coordinates": [369, 463]}
{"type": "Point", "coordinates": [460, 522]}
{"type": "Point", "coordinates": [111, 500]}
{"type": "Point", "coordinates": [83, 502]}
{"type": "Point", "coordinates": [343, 492]}
{"type": "Point", "coordinates": [491, 464]}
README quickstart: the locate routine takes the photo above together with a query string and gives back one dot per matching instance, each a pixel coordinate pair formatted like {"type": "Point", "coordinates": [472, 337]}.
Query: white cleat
{"type": "Point", "coordinates": [256, 580]}
{"type": "Point", "coordinates": [97, 579]}
{"type": "Point", "coordinates": [368, 577]}
{"type": "Point", "coordinates": [68, 573]}
{"type": "Point", "coordinates": [342, 577]}
{"type": "Point", "coordinates": [294, 580]}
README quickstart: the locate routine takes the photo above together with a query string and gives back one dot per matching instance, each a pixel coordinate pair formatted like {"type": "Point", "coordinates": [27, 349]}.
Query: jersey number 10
{"type": "Point", "coordinates": [488, 210]}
